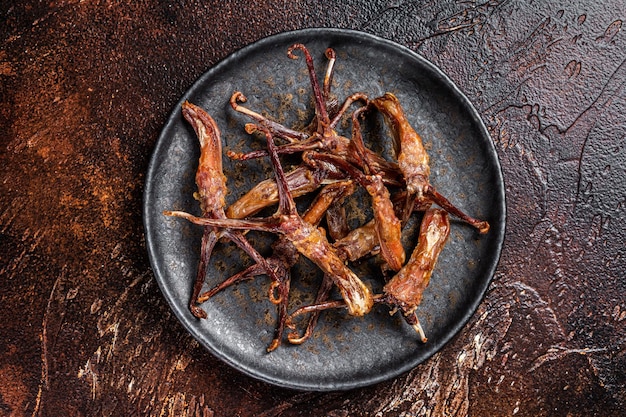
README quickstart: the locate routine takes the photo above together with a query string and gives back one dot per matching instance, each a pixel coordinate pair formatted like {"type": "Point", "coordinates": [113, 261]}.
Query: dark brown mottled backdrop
{"type": "Point", "coordinates": [85, 88]}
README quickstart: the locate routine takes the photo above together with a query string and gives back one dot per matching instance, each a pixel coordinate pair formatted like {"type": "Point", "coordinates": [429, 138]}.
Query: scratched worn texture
{"type": "Point", "coordinates": [85, 88]}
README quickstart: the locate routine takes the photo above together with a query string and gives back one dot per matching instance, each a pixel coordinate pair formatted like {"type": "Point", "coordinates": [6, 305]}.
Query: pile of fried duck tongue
{"type": "Point", "coordinates": [333, 166]}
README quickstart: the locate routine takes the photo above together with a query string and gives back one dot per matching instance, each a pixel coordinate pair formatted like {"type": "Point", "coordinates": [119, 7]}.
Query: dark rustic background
{"type": "Point", "coordinates": [85, 88]}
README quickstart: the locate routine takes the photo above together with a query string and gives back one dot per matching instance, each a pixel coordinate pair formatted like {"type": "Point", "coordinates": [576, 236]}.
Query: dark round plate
{"type": "Point", "coordinates": [345, 352]}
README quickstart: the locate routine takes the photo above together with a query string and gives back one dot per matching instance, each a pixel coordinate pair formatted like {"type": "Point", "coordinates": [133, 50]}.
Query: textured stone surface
{"type": "Point", "coordinates": [85, 87]}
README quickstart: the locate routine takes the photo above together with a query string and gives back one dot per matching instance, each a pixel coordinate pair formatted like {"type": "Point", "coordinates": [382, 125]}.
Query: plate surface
{"type": "Point", "coordinates": [345, 352]}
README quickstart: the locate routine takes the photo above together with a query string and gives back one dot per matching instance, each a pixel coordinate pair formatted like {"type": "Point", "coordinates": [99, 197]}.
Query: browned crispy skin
{"type": "Point", "coordinates": [407, 286]}
{"type": "Point", "coordinates": [211, 184]}
{"type": "Point", "coordinates": [302, 180]}
{"type": "Point", "coordinates": [358, 243]}
{"type": "Point", "coordinates": [311, 243]}
{"type": "Point", "coordinates": [388, 226]}
{"type": "Point", "coordinates": [413, 159]}
{"type": "Point", "coordinates": [363, 240]}
{"type": "Point", "coordinates": [327, 196]}
{"type": "Point", "coordinates": [210, 178]}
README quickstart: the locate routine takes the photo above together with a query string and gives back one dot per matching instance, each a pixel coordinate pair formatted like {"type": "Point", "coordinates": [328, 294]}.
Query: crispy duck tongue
{"type": "Point", "coordinates": [211, 184]}
{"type": "Point", "coordinates": [414, 161]}
{"type": "Point", "coordinates": [406, 288]}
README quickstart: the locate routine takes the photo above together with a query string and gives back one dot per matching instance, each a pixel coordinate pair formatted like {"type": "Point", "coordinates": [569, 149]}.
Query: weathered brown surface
{"type": "Point", "coordinates": [85, 88]}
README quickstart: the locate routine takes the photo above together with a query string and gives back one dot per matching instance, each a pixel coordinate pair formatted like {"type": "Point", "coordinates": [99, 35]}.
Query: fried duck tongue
{"type": "Point", "coordinates": [211, 184]}
{"type": "Point", "coordinates": [406, 288]}
{"type": "Point", "coordinates": [414, 161]}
